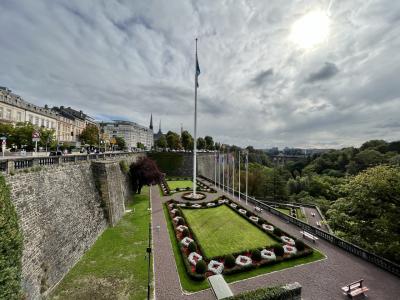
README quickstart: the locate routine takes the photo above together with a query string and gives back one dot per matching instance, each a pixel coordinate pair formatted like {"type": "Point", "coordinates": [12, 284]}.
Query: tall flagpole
{"type": "Point", "coordinates": [195, 128]}
{"type": "Point", "coordinates": [233, 176]}
{"type": "Point", "coordinates": [223, 171]}
{"type": "Point", "coordinates": [239, 176]}
{"type": "Point", "coordinates": [215, 169]}
{"type": "Point", "coordinates": [227, 172]}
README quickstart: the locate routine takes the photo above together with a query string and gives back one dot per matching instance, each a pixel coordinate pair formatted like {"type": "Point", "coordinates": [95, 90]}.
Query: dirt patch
{"type": "Point", "coordinates": [97, 288]}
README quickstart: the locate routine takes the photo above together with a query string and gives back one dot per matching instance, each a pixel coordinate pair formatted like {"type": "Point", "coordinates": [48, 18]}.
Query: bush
{"type": "Point", "coordinates": [249, 214]}
{"type": "Point", "coordinates": [278, 250]}
{"type": "Point", "coordinates": [299, 245]}
{"type": "Point", "coordinates": [201, 267]}
{"type": "Point", "coordinates": [277, 231]}
{"type": "Point", "coordinates": [229, 261]}
{"type": "Point", "coordinates": [192, 247]}
{"type": "Point", "coordinates": [177, 213]}
{"type": "Point", "coordinates": [256, 255]}
{"type": "Point", "coordinates": [260, 221]}
{"type": "Point", "coordinates": [185, 232]}
{"type": "Point", "coordinates": [181, 222]}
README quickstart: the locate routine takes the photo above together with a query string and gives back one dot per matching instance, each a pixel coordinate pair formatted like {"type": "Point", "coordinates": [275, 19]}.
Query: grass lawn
{"type": "Point", "coordinates": [299, 213]}
{"type": "Point", "coordinates": [115, 266]}
{"type": "Point", "coordinates": [182, 184]}
{"type": "Point", "coordinates": [190, 285]}
{"type": "Point", "coordinates": [222, 231]}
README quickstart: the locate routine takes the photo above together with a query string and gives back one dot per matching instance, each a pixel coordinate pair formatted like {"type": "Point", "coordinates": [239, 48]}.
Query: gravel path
{"type": "Point", "coordinates": [320, 280]}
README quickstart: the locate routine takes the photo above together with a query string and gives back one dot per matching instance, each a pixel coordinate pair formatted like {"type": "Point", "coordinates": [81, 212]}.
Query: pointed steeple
{"type": "Point", "coordinates": [159, 128]}
{"type": "Point", "coordinates": [151, 121]}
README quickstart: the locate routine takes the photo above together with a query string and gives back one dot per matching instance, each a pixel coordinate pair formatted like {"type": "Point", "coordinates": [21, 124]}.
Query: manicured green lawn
{"type": "Point", "coordinates": [190, 285]}
{"type": "Point", "coordinates": [182, 184]}
{"type": "Point", "coordinates": [222, 231]}
{"type": "Point", "coordinates": [115, 267]}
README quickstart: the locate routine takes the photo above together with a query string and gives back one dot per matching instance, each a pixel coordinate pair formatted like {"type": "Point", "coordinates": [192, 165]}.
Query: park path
{"type": "Point", "coordinates": [320, 280]}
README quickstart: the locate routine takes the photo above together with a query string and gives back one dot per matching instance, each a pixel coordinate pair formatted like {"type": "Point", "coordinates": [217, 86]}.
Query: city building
{"type": "Point", "coordinates": [13, 109]}
{"type": "Point", "coordinates": [71, 123]}
{"type": "Point", "coordinates": [157, 135]}
{"type": "Point", "coordinates": [131, 132]}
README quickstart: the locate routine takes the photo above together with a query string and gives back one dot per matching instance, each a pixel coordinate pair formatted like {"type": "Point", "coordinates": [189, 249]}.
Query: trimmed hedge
{"type": "Point", "coordinates": [10, 246]}
{"type": "Point", "coordinates": [267, 293]}
{"type": "Point", "coordinates": [192, 247]}
{"type": "Point", "coordinates": [201, 267]}
{"type": "Point", "coordinates": [229, 261]}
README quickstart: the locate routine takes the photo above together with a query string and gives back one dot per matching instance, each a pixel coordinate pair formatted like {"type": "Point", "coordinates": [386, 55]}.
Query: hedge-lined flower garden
{"type": "Point", "coordinates": [199, 266]}
{"type": "Point", "coordinates": [167, 190]}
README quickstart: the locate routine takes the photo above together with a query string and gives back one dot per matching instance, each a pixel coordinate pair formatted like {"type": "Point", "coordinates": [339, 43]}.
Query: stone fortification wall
{"type": "Point", "coordinates": [62, 209]}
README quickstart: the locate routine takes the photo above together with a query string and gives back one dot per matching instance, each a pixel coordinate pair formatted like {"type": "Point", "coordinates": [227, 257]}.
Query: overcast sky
{"type": "Point", "coordinates": [127, 59]}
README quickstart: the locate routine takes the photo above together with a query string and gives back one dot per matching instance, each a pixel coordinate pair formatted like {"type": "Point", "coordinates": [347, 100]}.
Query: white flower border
{"type": "Point", "coordinates": [222, 201]}
{"type": "Point", "coordinates": [242, 211]}
{"type": "Point", "coordinates": [176, 219]}
{"type": "Point", "coordinates": [289, 249]}
{"type": "Point", "coordinates": [268, 227]}
{"type": "Point", "coordinates": [233, 205]}
{"type": "Point", "coordinates": [287, 240]}
{"type": "Point", "coordinates": [267, 254]}
{"type": "Point", "coordinates": [215, 266]}
{"type": "Point", "coordinates": [186, 241]}
{"type": "Point", "coordinates": [247, 260]}
{"type": "Point", "coordinates": [174, 210]}
{"type": "Point", "coordinates": [192, 257]}
{"type": "Point", "coordinates": [254, 218]}
{"type": "Point", "coordinates": [181, 228]}
{"type": "Point", "coordinates": [196, 205]}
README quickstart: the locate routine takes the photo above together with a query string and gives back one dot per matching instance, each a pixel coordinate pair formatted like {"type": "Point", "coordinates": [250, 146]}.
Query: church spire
{"type": "Point", "coordinates": [151, 121]}
{"type": "Point", "coordinates": [159, 127]}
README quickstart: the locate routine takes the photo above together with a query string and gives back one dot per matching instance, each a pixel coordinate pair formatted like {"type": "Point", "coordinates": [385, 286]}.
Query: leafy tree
{"type": "Point", "coordinates": [162, 142]}
{"type": "Point", "coordinates": [186, 140]}
{"type": "Point", "coordinates": [173, 140]}
{"type": "Point", "coordinates": [144, 172]}
{"type": "Point", "coordinates": [90, 135]}
{"type": "Point", "coordinates": [47, 137]}
{"type": "Point", "coordinates": [368, 214]}
{"type": "Point", "coordinates": [378, 145]}
{"type": "Point", "coordinates": [139, 145]}
{"type": "Point", "coordinates": [201, 143]}
{"type": "Point", "coordinates": [209, 142]}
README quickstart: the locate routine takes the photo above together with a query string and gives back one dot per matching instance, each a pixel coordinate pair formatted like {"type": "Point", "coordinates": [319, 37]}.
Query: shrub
{"type": "Point", "coordinates": [260, 221]}
{"type": "Point", "coordinates": [177, 213]}
{"type": "Point", "coordinates": [248, 214]}
{"type": "Point", "coordinates": [185, 232]}
{"type": "Point", "coordinates": [299, 245]}
{"type": "Point", "coordinates": [277, 231]}
{"type": "Point", "coordinates": [201, 267]}
{"type": "Point", "coordinates": [229, 261]}
{"type": "Point", "coordinates": [181, 222]}
{"type": "Point", "coordinates": [192, 247]}
{"type": "Point", "coordinates": [278, 250]}
{"type": "Point", "coordinates": [256, 255]}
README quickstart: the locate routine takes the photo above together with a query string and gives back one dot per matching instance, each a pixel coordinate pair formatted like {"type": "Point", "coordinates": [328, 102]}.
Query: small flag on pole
{"type": "Point", "coordinates": [197, 70]}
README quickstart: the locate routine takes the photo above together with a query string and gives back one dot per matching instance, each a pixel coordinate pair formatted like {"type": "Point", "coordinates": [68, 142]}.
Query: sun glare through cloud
{"type": "Point", "coordinates": [310, 30]}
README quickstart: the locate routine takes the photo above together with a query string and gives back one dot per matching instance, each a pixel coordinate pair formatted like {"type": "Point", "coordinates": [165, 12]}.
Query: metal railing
{"type": "Point", "coordinates": [349, 247]}
{"type": "Point", "coordinates": [15, 164]}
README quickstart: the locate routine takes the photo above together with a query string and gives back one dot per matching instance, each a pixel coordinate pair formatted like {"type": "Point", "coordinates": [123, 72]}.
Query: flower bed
{"type": "Point", "coordinates": [267, 254]}
{"type": "Point", "coordinates": [242, 260]}
{"type": "Point", "coordinates": [201, 187]}
{"type": "Point", "coordinates": [215, 266]}
{"type": "Point", "coordinates": [288, 240]}
{"type": "Point", "coordinates": [194, 258]}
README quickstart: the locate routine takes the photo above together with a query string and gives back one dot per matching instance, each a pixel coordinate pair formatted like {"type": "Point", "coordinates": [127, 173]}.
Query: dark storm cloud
{"type": "Point", "coordinates": [327, 71]}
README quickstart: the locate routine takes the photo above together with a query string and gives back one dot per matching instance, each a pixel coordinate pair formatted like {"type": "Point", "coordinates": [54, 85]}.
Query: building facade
{"type": "Point", "coordinates": [13, 109]}
{"type": "Point", "coordinates": [131, 132]}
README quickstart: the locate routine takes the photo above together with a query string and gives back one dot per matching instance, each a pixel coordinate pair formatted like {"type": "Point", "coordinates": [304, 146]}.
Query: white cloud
{"type": "Point", "coordinates": [131, 58]}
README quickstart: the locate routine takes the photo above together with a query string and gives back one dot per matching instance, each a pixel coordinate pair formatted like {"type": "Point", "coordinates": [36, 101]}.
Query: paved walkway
{"type": "Point", "coordinates": [321, 280]}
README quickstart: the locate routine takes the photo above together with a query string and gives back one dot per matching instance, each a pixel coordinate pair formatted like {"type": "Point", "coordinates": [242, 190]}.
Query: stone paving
{"type": "Point", "coordinates": [320, 280]}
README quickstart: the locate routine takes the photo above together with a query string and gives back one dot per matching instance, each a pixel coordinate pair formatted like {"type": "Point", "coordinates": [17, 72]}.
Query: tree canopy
{"type": "Point", "coordinates": [90, 135]}
{"type": "Point", "coordinates": [144, 172]}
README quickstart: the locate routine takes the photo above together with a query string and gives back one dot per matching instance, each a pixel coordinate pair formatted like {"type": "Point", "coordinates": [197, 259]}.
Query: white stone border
{"type": "Point", "coordinates": [242, 211]}
{"type": "Point", "coordinates": [267, 254]}
{"type": "Point", "coordinates": [268, 227]}
{"type": "Point", "coordinates": [211, 204]}
{"type": "Point", "coordinates": [288, 240]}
{"type": "Point", "coordinates": [196, 205]}
{"type": "Point", "coordinates": [242, 260]}
{"type": "Point", "coordinates": [233, 205]}
{"type": "Point", "coordinates": [186, 241]}
{"type": "Point", "coordinates": [181, 228]}
{"type": "Point", "coordinates": [176, 219]}
{"type": "Point", "coordinates": [215, 266]}
{"type": "Point", "coordinates": [289, 249]}
{"type": "Point", "coordinates": [194, 258]}
{"type": "Point", "coordinates": [254, 219]}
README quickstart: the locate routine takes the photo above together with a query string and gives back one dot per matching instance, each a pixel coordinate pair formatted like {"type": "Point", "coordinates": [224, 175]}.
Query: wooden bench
{"type": "Point", "coordinates": [355, 289]}
{"type": "Point", "coordinates": [258, 209]}
{"type": "Point", "coordinates": [309, 236]}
